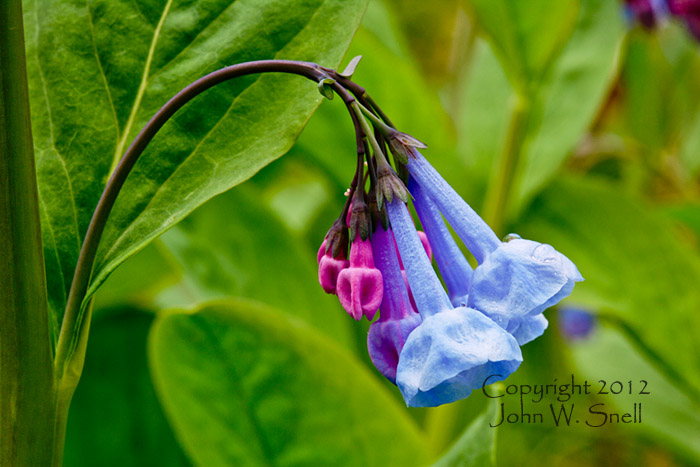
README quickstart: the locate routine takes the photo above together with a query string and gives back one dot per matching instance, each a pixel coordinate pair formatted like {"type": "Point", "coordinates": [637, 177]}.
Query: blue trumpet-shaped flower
{"type": "Point", "coordinates": [454, 349]}
{"type": "Point", "coordinates": [515, 280]}
{"type": "Point", "coordinates": [455, 270]}
{"type": "Point", "coordinates": [397, 318]}
{"type": "Point", "coordinates": [457, 273]}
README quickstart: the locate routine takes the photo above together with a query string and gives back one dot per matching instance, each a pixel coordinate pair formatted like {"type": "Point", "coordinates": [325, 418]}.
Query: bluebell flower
{"type": "Point", "coordinates": [397, 317]}
{"type": "Point", "coordinates": [515, 280]}
{"type": "Point", "coordinates": [454, 268]}
{"type": "Point", "coordinates": [457, 272]}
{"type": "Point", "coordinates": [454, 349]}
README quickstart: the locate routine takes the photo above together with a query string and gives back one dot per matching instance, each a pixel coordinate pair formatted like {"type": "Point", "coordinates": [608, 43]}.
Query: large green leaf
{"type": "Point", "coordinates": [525, 33]}
{"type": "Point", "coordinates": [477, 445]}
{"type": "Point", "coordinates": [635, 267]}
{"type": "Point", "coordinates": [115, 418]}
{"type": "Point", "coordinates": [245, 385]}
{"type": "Point", "coordinates": [569, 97]}
{"type": "Point", "coordinates": [99, 70]}
{"type": "Point", "coordinates": [668, 415]}
{"type": "Point", "coordinates": [561, 101]}
{"type": "Point", "coordinates": [234, 247]}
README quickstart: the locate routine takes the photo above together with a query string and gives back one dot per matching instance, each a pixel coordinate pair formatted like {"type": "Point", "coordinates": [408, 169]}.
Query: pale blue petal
{"type": "Point", "coordinates": [528, 329]}
{"type": "Point", "coordinates": [426, 288]}
{"type": "Point", "coordinates": [452, 353]}
{"type": "Point", "coordinates": [474, 232]}
{"type": "Point", "coordinates": [454, 268]}
{"type": "Point", "coordinates": [521, 278]}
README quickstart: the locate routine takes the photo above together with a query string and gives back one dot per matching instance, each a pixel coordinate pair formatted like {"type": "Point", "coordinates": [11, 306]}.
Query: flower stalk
{"type": "Point", "coordinates": [75, 308]}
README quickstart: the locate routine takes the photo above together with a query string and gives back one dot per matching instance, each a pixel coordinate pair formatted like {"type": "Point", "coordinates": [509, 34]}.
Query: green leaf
{"type": "Point", "coordinates": [139, 280]}
{"type": "Point", "coordinates": [245, 385]}
{"type": "Point", "coordinates": [635, 267]}
{"type": "Point", "coordinates": [571, 93]}
{"type": "Point", "coordinates": [688, 215]}
{"type": "Point", "coordinates": [115, 418]}
{"type": "Point", "coordinates": [562, 101]}
{"type": "Point", "coordinates": [477, 445]}
{"type": "Point", "coordinates": [669, 416]}
{"type": "Point", "coordinates": [661, 81]}
{"type": "Point", "coordinates": [525, 33]}
{"type": "Point", "coordinates": [482, 133]}
{"type": "Point", "coordinates": [233, 246]}
{"type": "Point", "coordinates": [99, 70]}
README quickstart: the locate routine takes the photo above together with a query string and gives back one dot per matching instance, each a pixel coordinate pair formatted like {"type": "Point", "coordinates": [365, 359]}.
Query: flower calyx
{"type": "Point", "coordinates": [337, 240]}
{"type": "Point", "coordinates": [359, 220]}
{"type": "Point", "coordinates": [402, 145]}
{"type": "Point", "coordinates": [389, 186]}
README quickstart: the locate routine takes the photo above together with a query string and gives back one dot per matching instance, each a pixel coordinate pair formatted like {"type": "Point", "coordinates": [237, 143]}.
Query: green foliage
{"type": "Point", "coordinates": [243, 384]}
{"type": "Point", "coordinates": [476, 447]}
{"type": "Point", "coordinates": [255, 257]}
{"type": "Point", "coordinates": [669, 414]}
{"type": "Point", "coordinates": [99, 71]}
{"type": "Point", "coordinates": [272, 372]}
{"type": "Point", "coordinates": [516, 29]}
{"type": "Point", "coordinates": [563, 95]}
{"type": "Point", "coordinates": [635, 267]}
{"type": "Point", "coordinates": [116, 388]}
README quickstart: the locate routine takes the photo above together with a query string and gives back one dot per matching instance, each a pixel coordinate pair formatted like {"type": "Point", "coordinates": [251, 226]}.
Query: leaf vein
{"type": "Point", "coordinates": [102, 73]}
{"type": "Point", "coordinates": [141, 91]}
{"type": "Point", "coordinates": [49, 116]}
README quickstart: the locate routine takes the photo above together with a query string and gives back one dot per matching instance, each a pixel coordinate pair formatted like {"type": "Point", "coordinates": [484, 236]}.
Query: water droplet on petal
{"type": "Point", "coordinates": [544, 253]}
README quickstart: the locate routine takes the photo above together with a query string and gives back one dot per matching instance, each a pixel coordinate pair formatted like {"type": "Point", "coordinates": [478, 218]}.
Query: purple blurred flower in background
{"type": "Point", "coordinates": [646, 12]}
{"type": "Point", "coordinates": [576, 323]}
{"type": "Point", "coordinates": [689, 12]}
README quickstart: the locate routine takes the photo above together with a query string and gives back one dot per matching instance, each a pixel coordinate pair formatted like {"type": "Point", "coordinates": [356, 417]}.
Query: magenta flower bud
{"type": "Point", "coordinates": [329, 268]}
{"type": "Point", "coordinates": [360, 287]}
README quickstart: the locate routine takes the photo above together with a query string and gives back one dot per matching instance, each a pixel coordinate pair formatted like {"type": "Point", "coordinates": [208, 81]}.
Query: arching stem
{"type": "Point", "coordinates": [69, 335]}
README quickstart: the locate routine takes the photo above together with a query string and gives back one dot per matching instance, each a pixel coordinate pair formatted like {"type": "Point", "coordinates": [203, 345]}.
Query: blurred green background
{"type": "Point", "coordinates": [604, 167]}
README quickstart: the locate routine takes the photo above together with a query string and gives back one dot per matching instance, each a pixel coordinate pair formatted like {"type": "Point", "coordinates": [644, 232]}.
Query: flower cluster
{"type": "Point", "coordinates": [435, 343]}
{"type": "Point", "coordinates": [650, 13]}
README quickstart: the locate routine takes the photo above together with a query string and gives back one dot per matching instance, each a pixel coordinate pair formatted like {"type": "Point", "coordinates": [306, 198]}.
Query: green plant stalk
{"type": "Point", "coordinates": [27, 383]}
{"type": "Point", "coordinates": [499, 191]}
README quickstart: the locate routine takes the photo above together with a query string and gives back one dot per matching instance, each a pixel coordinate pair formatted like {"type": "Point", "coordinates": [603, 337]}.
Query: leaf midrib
{"type": "Point", "coordinates": [117, 242]}
{"type": "Point", "coordinates": [141, 91]}
{"type": "Point", "coordinates": [215, 342]}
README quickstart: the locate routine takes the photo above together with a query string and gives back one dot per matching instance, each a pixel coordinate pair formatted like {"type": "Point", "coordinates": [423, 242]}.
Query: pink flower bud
{"type": "Point", "coordinates": [329, 268]}
{"type": "Point", "coordinates": [360, 287]}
